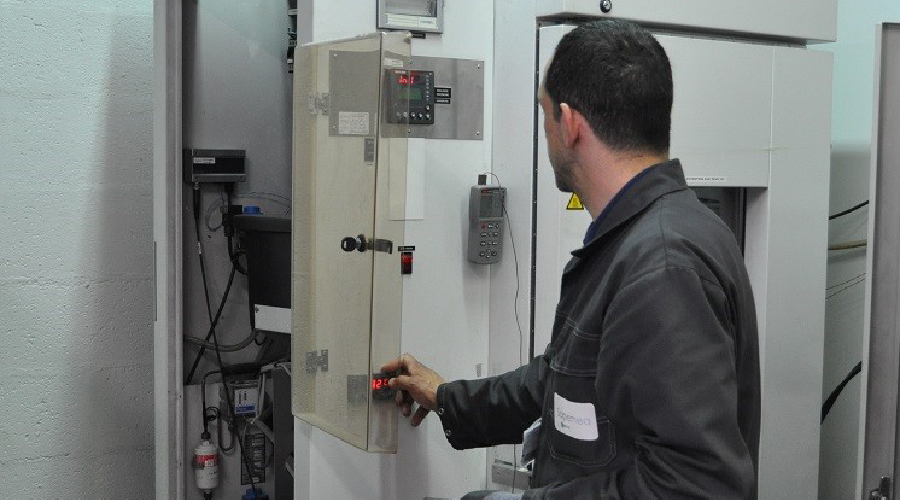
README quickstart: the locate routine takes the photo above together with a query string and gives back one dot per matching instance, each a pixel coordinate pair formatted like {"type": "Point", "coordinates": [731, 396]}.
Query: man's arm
{"type": "Point", "coordinates": [667, 371]}
{"type": "Point", "coordinates": [492, 411]}
{"type": "Point", "coordinates": [474, 413]}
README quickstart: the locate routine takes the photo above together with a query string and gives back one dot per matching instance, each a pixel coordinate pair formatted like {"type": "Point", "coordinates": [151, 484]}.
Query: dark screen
{"type": "Point", "coordinates": [491, 205]}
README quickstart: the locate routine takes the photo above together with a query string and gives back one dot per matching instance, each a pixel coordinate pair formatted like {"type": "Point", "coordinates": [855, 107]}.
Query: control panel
{"type": "Point", "coordinates": [486, 207]}
{"type": "Point", "coordinates": [358, 387]}
{"type": "Point", "coordinates": [410, 96]}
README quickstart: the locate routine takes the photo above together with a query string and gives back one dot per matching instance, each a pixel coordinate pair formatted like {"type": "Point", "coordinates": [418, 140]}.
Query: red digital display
{"type": "Point", "coordinates": [379, 383]}
{"type": "Point", "coordinates": [406, 79]}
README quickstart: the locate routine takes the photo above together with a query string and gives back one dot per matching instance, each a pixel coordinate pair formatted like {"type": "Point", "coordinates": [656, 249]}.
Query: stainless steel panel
{"type": "Point", "coordinates": [463, 118]}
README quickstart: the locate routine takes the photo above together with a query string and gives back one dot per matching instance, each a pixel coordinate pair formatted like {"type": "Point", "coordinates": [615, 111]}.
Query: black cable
{"type": "Point", "coordinates": [826, 406]}
{"type": "Point", "coordinates": [233, 254]}
{"type": "Point", "coordinates": [858, 276]}
{"type": "Point", "coordinates": [848, 211]}
{"type": "Point", "coordinates": [203, 400]}
{"type": "Point", "coordinates": [222, 423]}
{"type": "Point", "coordinates": [842, 290]}
{"type": "Point", "coordinates": [212, 328]}
{"type": "Point", "coordinates": [225, 385]}
{"type": "Point", "coordinates": [515, 309]}
{"type": "Point", "coordinates": [200, 248]}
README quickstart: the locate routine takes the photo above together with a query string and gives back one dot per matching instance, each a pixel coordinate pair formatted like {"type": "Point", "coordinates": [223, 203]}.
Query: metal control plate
{"type": "Point", "coordinates": [458, 98]}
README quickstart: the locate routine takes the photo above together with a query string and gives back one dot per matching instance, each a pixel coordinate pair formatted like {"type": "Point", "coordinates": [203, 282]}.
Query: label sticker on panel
{"type": "Point", "coordinates": [576, 420]}
{"type": "Point", "coordinates": [575, 203]}
{"type": "Point", "coordinates": [353, 123]}
{"type": "Point", "coordinates": [706, 179]}
{"type": "Point", "coordinates": [442, 95]}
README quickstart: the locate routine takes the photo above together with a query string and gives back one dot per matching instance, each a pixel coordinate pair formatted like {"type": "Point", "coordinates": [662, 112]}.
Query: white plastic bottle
{"type": "Point", "coordinates": [206, 467]}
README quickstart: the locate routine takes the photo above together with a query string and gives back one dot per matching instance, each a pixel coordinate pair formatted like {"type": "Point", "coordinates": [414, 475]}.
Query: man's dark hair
{"type": "Point", "coordinates": [619, 78]}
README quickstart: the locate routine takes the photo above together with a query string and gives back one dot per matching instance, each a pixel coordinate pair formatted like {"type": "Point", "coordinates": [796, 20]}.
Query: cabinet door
{"type": "Point", "coordinates": [343, 237]}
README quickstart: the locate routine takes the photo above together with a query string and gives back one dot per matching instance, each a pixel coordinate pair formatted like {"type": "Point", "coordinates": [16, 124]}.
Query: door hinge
{"type": "Point", "coordinates": [317, 360]}
{"type": "Point", "coordinates": [883, 491]}
{"type": "Point", "coordinates": [318, 103]}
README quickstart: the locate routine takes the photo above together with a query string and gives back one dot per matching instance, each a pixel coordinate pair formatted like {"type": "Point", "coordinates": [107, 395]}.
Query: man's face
{"type": "Point", "coordinates": [561, 158]}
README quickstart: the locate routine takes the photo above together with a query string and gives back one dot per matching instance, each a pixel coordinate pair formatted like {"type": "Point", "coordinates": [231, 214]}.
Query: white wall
{"type": "Point", "coordinates": [76, 253]}
{"type": "Point", "coordinates": [851, 140]}
{"type": "Point", "coordinates": [445, 301]}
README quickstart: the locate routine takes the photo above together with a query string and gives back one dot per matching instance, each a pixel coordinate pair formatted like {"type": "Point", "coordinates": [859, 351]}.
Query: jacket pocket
{"type": "Point", "coordinates": [574, 351]}
{"type": "Point", "coordinates": [578, 431]}
{"type": "Point", "coordinates": [583, 452]}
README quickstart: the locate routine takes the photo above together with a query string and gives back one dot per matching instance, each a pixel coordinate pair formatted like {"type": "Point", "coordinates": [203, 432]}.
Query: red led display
{"type": "Point", "coordinates": [406, 79]}
{"type": "Point", "coordinates": [379, 383]}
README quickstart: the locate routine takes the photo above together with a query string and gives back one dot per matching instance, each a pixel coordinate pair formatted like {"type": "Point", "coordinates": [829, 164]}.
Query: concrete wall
{"type": "Point", "coordinates": [76, 253]}
{"type": "Point", "coordinates": [851, 141]}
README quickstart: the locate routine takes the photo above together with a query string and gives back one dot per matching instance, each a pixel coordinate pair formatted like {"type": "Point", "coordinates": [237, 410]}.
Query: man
{"type": "Point", "coordinates": [650, 385]}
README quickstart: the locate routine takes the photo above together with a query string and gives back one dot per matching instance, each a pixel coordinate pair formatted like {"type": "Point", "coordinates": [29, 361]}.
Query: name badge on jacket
{"type": "Point", "coordinates": [576, 420]}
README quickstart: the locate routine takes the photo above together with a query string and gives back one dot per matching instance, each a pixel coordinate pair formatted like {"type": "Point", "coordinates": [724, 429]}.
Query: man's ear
{"type": "Point", "coordinates": [570, 123]}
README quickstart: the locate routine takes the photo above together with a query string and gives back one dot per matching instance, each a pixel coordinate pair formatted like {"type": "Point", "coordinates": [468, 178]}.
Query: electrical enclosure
{"type": "Point", "coordinates": [349, 181]}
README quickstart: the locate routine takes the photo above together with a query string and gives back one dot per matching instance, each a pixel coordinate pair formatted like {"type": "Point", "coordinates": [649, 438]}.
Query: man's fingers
{"type": "Point", "coordinates": [401, 364]}
{"type": "Point", "coordinates": [391, 366]}
{"type": "Point", "coordinates": [401, 383]}
{"type": "Point", "coordinates": [420, 415]}
{"type": "Point", "coordinates": [406, 409]}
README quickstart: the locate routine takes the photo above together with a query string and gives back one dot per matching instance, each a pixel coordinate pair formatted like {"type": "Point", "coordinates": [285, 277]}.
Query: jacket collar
{"type": "Point", "coordinates": [651, 184]}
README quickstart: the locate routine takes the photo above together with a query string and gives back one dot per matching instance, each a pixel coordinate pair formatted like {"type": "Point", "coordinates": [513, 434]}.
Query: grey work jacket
{"type": "Point", "coordinates": [655, 337]}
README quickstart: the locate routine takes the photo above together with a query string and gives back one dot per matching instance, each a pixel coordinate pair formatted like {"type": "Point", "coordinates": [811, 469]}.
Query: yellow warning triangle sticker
{"type": "Point", "coordinates": [575, 203]}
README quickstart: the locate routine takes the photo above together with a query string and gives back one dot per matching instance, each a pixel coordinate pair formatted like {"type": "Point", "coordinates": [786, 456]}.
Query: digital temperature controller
{"type": "Point", "coordinates": [381, 391]}
{"type": "Point", "coordinates": [409, 96]}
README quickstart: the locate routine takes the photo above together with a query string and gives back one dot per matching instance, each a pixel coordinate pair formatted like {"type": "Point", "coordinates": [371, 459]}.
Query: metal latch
{"type": "Point", "coordinates": [377, 245]}
{"type": "Point", "coordinates": [883, 492]}
{"type": "Point", "coordinates": [318, 103]}
{"type": "Point", "coordinates": [361, 243]}
{"type": "Point", "coordinates": [316, 360]}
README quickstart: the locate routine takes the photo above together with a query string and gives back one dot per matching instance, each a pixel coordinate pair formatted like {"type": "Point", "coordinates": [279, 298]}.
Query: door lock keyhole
{"type": "Point", "coordinates": [350, 243]}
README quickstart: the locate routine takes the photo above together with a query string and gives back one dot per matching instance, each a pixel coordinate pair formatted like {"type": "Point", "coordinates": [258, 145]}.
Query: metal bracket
{"type": "Point", "coordinates": [316, 360]}
{"type": "Point", "coordinates": [318, 103]}
{"type": "Point", "coordinates": [883, 492]}
{"type": "Point", "coordinates": [507, 474]}
{"type": "Point", "coordinates": [377, 245]}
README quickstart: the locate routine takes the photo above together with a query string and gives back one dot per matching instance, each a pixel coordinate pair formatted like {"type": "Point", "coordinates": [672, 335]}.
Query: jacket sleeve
{"type": "Point", "coordinates": [492, 411]}
{"type": "Point", "coordinates": [667, 374]}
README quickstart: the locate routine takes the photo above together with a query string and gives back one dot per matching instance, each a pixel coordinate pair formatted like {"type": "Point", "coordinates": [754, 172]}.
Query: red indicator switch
{"type": "Point", "coordinates": [406, 262]}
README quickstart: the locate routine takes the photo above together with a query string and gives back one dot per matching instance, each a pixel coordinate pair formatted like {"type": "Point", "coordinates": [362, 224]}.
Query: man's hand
{"type": "Point", "coordinates": [415, 383]}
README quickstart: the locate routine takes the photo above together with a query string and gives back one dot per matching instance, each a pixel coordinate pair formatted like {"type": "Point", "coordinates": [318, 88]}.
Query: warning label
{"type": "Point", "coordinates": [575, 203]}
